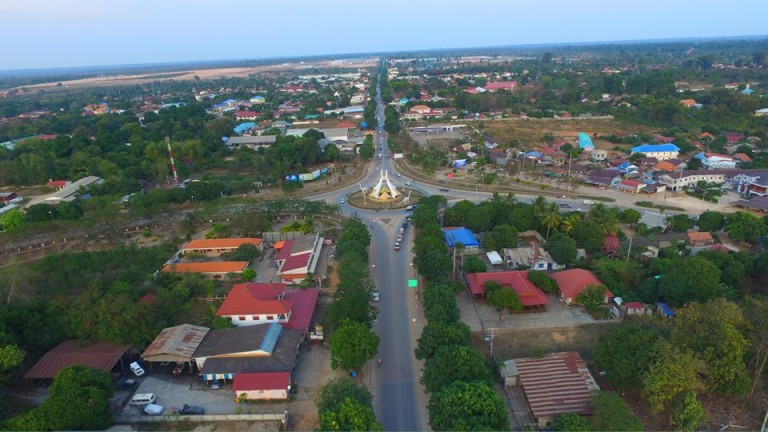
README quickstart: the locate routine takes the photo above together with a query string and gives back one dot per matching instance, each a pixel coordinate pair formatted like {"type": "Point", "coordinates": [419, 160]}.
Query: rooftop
{"type": "Point", "coordinates": [261, 381]}
{"type": "Point", "coordinates": [530, 294]}
{"type": "Point", "coordinates": [648, 148]}
{"type": "Point", "coordinates": [101, 355]}
{"type": "Point", "coordinates": [572, 282]}
{"type": "Point", "coordinates": [255, 299]}
{"type": "Point", "coordinates": [208, 267]}
{"type": "Point", "coordinates": [253, 340]}
{"type": "Point", "coordinates": [460, 235]}
{"type": "Point", "coordinates": [179, 341]}
{"type": "Point", "coordinates": [228, 243]}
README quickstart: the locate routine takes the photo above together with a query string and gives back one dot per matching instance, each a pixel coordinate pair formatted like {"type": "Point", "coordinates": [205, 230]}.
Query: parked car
{"type": "Point", "coordinates": [153, 409]}
{"type": "Point", "coordinates": [408, 182]}
{"type": "Point", "coordinates": [375, 296]}
{"type": "Point", "coordinates": [192, 409]}
{"type": "Point", "coordinates": [126, 384]}
{"type": "Point", "coordinates": [137, 369]}
{"type": "Point", "coordinates": [410, 208]}
{"type": "Point", "coordinates": [405, 224]}
{"type": "Point", "coordinates": [565, 205]}
{"type": "Point", "coordinates": [216, 384]}
{"type": "Point", "coordinates": [399, 237]}
{"type": "Point", "coordinates": [397, 246]}
{"type": "Point", "coordinates": [444, 189]}
{"type": "Point", "coordinates": [341, 201]}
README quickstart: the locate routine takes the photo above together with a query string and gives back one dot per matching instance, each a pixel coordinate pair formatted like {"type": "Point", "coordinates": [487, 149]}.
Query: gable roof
{"type": "Point", "coordinates": [696, 236]}
{"type": "Point", "coordinates": [572, 282]}
{"type": "Point", "coordinates": [207, 267]}
{"type": "Point", "coordinates": [255, 299]}
{"type": "Point", "coordinates": [294, 262]}
{"type": "Point", "coordinates": [460, 235]}
{"type": "Point", "coordinates": [255, 340]}
{"type": "Point", "coordinates": [180, 342]}
{"type": "Point", "coordinates": [556, 383]}
{"type": "Point", "coordinates": [102, 355]}
{"type": "Point", "coordinates": [649, 148]}
{"type": "Point", "coordinates": [302, 309]}
{"type": "Point", "coordinates": [530, 294]}
{"type": "Point", "coordinates": [261, 381]}
{"type": "Point", "coordinates": [611, 244]}
{"type": "Point", "coordinates": [226, 243]}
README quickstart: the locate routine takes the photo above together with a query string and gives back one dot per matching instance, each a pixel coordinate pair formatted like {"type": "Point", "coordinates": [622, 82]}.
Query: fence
{"type": "Point", "coordinates": [281, 417]}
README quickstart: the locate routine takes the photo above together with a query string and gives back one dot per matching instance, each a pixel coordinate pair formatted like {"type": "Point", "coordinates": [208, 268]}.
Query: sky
{"type": "Point", "coordinates": [66, 33]}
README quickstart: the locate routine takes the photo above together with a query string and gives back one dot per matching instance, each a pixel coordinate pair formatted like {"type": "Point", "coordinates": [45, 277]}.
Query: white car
{"type": "Point", "coordinates": [342, 201]}
{"type": "Point", "coordinates": [408, 182]}
{"type": "Point", "coordinates": [153, 409]}
{"type": "Point", "coordinates": [375, 296]}
{"type": "Point", "coordinates": [137, 369]}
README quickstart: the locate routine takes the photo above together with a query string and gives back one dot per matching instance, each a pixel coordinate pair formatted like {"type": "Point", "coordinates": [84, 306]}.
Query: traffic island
{"type": "Point", "coordinates": [361, 201]}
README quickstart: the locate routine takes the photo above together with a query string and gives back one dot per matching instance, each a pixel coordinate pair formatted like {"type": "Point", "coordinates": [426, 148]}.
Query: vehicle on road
{"type": "Point", "coordinates": [398, 174]}
{"type": "Point", "coordinates": [143, 399]}
{"type": "Point", "coordinates": [397, 246]}
{"type": "Point", "coordinates": [341, 201]}
{"type": "Point", "coordinates": [375, 296]}
{"type": "Point", "coordinates": [405, 224]}
{"type": "Point", "coordinates": [192, 409]}
{"type": "Point", "coordinates": [126, 384]}
{"type": "Point", "coordinates": [153, 409]}
{"type": "Point", "coordinates": [410, 207]}
{"type": "Point", "coordinates": [408, 182]}
{"type": "Point", "coordinates": [565, 205]}
{"type": "Point", "coordinates": [588, 202]}
{"type": "Point", "coordinates": [444, 189]}
{"type": "Point", "coordinates": [399, 237]}
{"type": "Point", "coordinates": [402, 230]}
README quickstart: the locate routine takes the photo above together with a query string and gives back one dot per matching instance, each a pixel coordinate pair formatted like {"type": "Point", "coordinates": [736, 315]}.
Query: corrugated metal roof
{"type": "Point", "coordinates": [261, 381]}
{"type": "Point", "coordinates": [556, 383]}
{"type": "Point", "coordinates": [101, 355]}
{"type": "Point", "coordinates": [179, 342]}
{"type": "Point", "coordinates": [270, 339]}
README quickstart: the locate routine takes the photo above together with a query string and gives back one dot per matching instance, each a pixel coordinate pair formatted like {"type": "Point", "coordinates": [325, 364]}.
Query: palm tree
{"type": "Point", "coordinates": [569, 222]}
{"type": "Point", "coordinates": [538, 205]}
{"type": "Point", "coordinates": [551, 217]}
{"type": "Point", "coordinates": [606, 218]}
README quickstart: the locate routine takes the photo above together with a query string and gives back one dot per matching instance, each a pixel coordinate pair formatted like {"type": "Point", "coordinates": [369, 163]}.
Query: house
{"type": "Point", "coordinates": [498, 156]}
{"type": "Point", "coordinates": [251, 304]}
{"type": "Point", "coordinates": [599, 155]}
{"type": "Point", "coordinates": [58, 184]}
{"type": "Point", "coordinates": [658, 151]}
{"type": "Point", "coordinates": [734, 137]}
{"type": "Point", "coordinates": [531, 257]}
{"type": "Point", "coordinates": [696, 238]}
{"type": "Point", "coordinates": [530, 295]}
{"type": "Point", "coordinates": [665, 166]}
{"type": "Point", "coordinates": [572, 282]}
{"type": "Point", "coordinates": [213, 270]}
{"type": "Point", "coordinates": [611, 244]}
{"type": "Point", "coordinates": [244, 127]}
{"type": "Point", "coordinates": [632, 186]}
{"type": "Point", "coordinates": [455, 236]}
{"type": "Point", "coordinates": [331, 134]}
{"type": "Point", "coordinates": [763, 112]}
{"type": "Point", "coordinates": [261, 386]}
{"type": "Point", "coordinates": [688, 103]}
{"type": "Point", "coordinates": [493, 86]}
{"type": "Point", "coordinates": [252, 142]}
{"type": "Point", "coordinates": [555, 384]}
{"type": "Point", "coordinates": [215, 247]}
{"type": "Point", "coordinates": [222, 354]}
{"type": "Point", "coordinates": [717, 161]}
{"type": "Point", "coordinates": [6, 197]}
{"type": "Point", "coordinates": [247, 115]}
{"type": "Point", "coordinates": [298, 258]}
{"type": "Point", "coordinates": [258, 100]}
{"type": "Point", "coordinates": [686, 178]}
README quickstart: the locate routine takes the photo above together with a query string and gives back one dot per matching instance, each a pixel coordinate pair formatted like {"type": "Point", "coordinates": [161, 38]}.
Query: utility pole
{"type": "Point", "coordinates": [629, 250]}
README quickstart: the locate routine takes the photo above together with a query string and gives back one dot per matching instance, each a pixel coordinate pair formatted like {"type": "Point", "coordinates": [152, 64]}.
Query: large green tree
{"type": "Point", "coordinates": [352, 344]}
{"type": "Point", "coordinates": [562, 248]}
{"type": "Point", "coordinates": [455, 363]}
{"type": "Point", "coordinates": [743, 226]}
{"type": "Point", "coordinates": [570, 422]}
{"type": "Point", "coordinates": [340, 389]}
{"type": "Point", "coordinates": [673, 373]}
{"type": "Point", "coordinates": [504, 298]}
{"type": "Point", "coordinates": [689, 279]}
{"type": "Point", "coordinates": [350, 415]}
{"type": "Point", "coordinates": [438, 334]}
{"type": "Point", "coordinates": [468, 406]}
{"type": "Point", "coordinates": [711, 221]}
{"type": "Point", "coordinates": [625, 353]}
{"type": "Point", "coordinates": [501, 236]}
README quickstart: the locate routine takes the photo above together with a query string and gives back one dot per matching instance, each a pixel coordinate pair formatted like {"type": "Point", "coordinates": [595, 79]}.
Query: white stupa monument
{"type": "Point", "coordinates": [384, 189]}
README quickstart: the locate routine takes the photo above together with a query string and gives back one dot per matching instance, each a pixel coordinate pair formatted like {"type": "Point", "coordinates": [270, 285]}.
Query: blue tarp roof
{"type": "Point", "coordinates": [647, 148]}
{"type": "Point", "coordinates": [242, 127]}
{"type": "Point", "coordinates": [665, 309]}
{"type": "Point", "coordinates": [585, 141]}
{"type": "Point", "coordinates": [533, 154]}
{"type": "Point", "coordinates": [460, 235]}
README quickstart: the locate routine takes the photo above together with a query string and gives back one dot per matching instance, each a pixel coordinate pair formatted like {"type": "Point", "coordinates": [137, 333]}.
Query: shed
{"type": "Point", "coordinates": [175, 344]}
{"type": "Point", "coordinates": [262, 386]}
{"type": "Point", "coordinates": [494, 258]}
{"type": "Point", "coordinates": [102, 355]}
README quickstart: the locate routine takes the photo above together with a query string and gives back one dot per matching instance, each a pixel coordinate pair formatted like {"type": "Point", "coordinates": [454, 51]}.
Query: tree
{"type": "Point", "coordinates": [340, 389]}
{"type": "Point", "coordinates": [434, 265]}
{"type": "Point", "coordinates": [244, 252]}
{"type": "Point", "coordinates": [550, 217]}
{"type": "Point", "coordinates": [743, 226]}
{"type": "Point", "coordinates": [41, 213]}
{"type": "Point", "coordinates": [689, 414]}
{"type": "Point", "coordinates": [630, 216]}
{"type": "Point", "coordinates": [11, 357]}
{"type": "Point", "coordinates": [505, 298]}
{"type": "Point", "coordinates": [473, 264]}
{"type": "Point", "coordinates": [367, 150]}
{"type": "Point", "coordinates": [542, 280]}
{"type": "Point", "coordinates": [611, 413]}
{"type": "Point", "coordinates": [589, 235]}
{"type": "Point", "coordinates": [331, 153]}
{"type": "Point", "coordinates": [694, 163]}
{"type": "Point", "coordinates": [350, 416]}
{"type": "Point", "coordinates": [480, 218]}
{"type": "Point", "coordinates": [11, 220]}
{"type": "Point", "coordinates": [248, 275]}
{"type": "Point", "coordinates": [570, 422]}
{"type": "Point", "coordinates": [352, 344]}
{"type": "Point", "coordinates": [606, 218]}
{"type": "Point", "coordinates": [680, 223]}
{"type": "Point", "coordinates": [355, 230]}
{"type": "Point", "coordinates": [455, 363]}
{"type": "Point", "coordinates": [625, 353]}
{"type": "Point", "coordinates": [710, 221]}
{"type": "Point", "coordinates": [468, 406]}
{"type": "Point", "coordinates": [674, 372]}
{"type": "Point", "coordinates": [562, 248]}
{"type": "Point", "coordinates": [502, 236]}
{"type": "Point", "coordinates": [438, 334]}
{"type": "Point", "coordinates": [592, 297]}
{"type": "Point", "coordinates": [689, 279]}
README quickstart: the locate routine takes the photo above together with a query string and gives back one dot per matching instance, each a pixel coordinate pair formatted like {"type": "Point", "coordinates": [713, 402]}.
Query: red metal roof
{"type": "Point", "coordinates": [255, 299]}
{"type": "Point", "coordinates": [611, 244]}
{"type": "Point", "coordinates": [147, 298]}
{"type": "Point", "coordinates": [634, 305]}
{"type": "Point", "coordinates": [295, 262]}
{"type": "Point", "coordinates": [285, 250]}
{"type": "Point", "coordinates": [556, 383]}
{"type": "Point", "coordinates": [261, 381]}
{"type": "Point", "coordinates": [500, 85]}
{"type": "Point", "coordinates": [304, 301]}
{"type": "Point", "coordinates": [530, 294]}
{"type": "Point", "coordinates": [101, 355]}
{"type": "Point", "coordinates": [572, 282]}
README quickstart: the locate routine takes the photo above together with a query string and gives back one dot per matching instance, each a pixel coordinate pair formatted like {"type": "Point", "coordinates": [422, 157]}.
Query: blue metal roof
{"type": "Point", "coordinates": [242, 127]}
{"type": "Point", "coordinates": [461, 235]}
{"type": "Point", "coordinates": [270, 339]}
{"type": "Point", "coordinates": [585, 141]}
{"type": "Point", "coordinates": [648, 148]}
{"type": "Point", "coordinates": [666, 310]}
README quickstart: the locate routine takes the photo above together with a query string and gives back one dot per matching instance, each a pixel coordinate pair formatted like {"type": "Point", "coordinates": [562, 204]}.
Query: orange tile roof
{"type": "Point", "coordinates": [255, 299]}
{"type": "Point", "coordinates": [232, 243]}
{"type": "Point", "coordinates": [208, 267]}
{"type": "Point", "coordinates": [572, 282]}
{"type": "Point", "coordinates": [688, 102]}
{"type": "Point", "coordinates": [696, 236]}
{"type": "Point", "coordinates": [742, 157]}
{"type": "Point", "coordinates": [666, 166]}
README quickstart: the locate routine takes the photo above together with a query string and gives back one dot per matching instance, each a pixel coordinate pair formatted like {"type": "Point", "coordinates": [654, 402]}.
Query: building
{"type": "Point", "coordinates": [658, 151]}
{"type": "Point", "coordinates": [763, 112]}
{"type": "Point", "coordinates": [247, 115]}
{"type": "Point", "coordinates": [696, 238]}
{"type": "Point", "coordinates": [67, 191]}
{"type": "Point", "coordinates": [216, 247]}
{"type": "Point", "coordinates": [554, 384]}
{"type": "Point", "coordinates": [256, 303]}
{"type": "Point", "coordinates": [298, 258]}
{"type": "Point", "coordinates": [175, 344]}
{"type": "Point", "coordinates": [6, 197]}
{"type": "Point", "coordinates": [572, 282]}
{"type": "Point", "coordinates": [101, 355]}
{"type": "Point", "coordinates": [252, 142]}
{"type": "Point", "coordinates": [212, 270]}
{"type": "Point", "coordinates": [261, 386]}
{"type": "Point", "coordinates": [717, 161]}
{"type": "Point", "coordinates": [222, 354]}
{"type": "Point", "coordinates": [455, 236]}
{"type": "Point", "coordinates": [599, 155]}
{"type": "Point", "coordinates": [494, 86]}
{"type": "Point", "coordinates": [532, 257]}
{"type": "Point", "coordinates": [677, 181]}
{"type": "Point", "coordinates": [585, 142]}
{"type": "Point", "coordinates": [331, 134]}
{"type": "Point", "coordinates": [530, 295]}
{"type": "Point", "coordinates": [258, 100]}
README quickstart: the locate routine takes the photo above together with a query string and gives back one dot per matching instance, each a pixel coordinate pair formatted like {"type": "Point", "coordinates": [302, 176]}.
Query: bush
{"type": "Point", "coordinates": [543, 281]}
{"type": "Point", "coordinates": [473, 264]}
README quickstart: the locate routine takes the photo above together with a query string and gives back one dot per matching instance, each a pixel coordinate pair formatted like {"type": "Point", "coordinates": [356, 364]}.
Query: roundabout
{"type": "Point", "coordinates": [384, 195]}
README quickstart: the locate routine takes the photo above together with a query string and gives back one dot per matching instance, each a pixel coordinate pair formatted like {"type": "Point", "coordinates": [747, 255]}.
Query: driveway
{"type": "Point", "coordinates": [478, 315]}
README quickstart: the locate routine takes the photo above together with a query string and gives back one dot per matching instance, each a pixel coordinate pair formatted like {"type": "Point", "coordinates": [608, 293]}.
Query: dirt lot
{"type": "Point", "coordinates": [531, 132]}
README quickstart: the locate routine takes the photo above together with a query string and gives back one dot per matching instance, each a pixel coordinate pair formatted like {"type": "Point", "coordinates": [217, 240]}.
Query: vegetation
{"type": "Point", "coordinates": [344, 405]}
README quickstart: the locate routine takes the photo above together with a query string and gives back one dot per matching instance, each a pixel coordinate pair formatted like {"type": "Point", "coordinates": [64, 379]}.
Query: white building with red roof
{"type": "Point", "coordinates": [298, 258]}
{"type": "Point", "coordinates": [215, 247]}
{"type": "Point", "coordinates": [572, 282]}
{"type": "Point", "coordinates": [250, 304]}
{"type": "Point", "coordinates": [530, 295]}
{"type": "Point", "coordinates": [494, 86]}
{"type": "Point", "coordinates": [262, 386]}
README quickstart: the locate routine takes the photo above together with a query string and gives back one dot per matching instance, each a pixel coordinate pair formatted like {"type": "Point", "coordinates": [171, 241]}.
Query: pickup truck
{"type": "Point", "coordinates": [588, 202]}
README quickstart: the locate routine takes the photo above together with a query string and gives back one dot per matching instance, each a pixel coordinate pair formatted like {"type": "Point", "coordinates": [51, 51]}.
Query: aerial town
{"type": "Point", "coordinates": [553, 238]}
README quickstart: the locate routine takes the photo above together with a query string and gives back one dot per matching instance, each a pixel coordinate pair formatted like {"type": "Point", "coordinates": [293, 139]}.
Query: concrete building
{"type": "Point", "coordinates": [658, 151]}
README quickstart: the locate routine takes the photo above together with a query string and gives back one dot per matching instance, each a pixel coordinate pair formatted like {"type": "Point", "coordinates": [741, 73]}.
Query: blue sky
{"type": "Point", "coordinates": [63, 33]}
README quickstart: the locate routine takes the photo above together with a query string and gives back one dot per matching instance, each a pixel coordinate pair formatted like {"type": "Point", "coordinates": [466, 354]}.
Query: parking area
{"type": "Point", "coordinates": [173, 392]}
{"type": "Point", "coordinates": [479, 315]}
